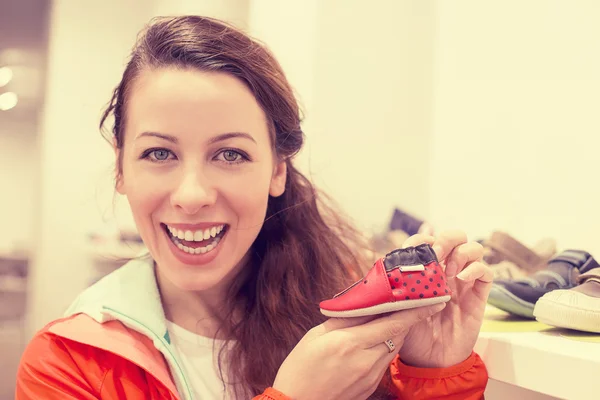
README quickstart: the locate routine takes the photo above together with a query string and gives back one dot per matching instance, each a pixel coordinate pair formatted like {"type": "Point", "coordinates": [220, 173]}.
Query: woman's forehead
{"type": "Point", "coordinates": [184, 100]}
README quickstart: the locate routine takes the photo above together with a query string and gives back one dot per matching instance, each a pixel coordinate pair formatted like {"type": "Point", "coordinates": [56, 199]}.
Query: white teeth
{"type": "Point", "coordinates": [196, 236]}
{"type": "Point", "coordinates": [197, 250]}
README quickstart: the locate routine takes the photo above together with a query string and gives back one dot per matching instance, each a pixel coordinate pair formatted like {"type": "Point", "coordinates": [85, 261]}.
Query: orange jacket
{"type": "Point", "coordinates": [108, 348]}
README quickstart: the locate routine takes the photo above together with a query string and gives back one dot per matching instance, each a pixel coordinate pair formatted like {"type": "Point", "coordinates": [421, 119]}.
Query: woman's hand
{"type": "Point", "coordinates": [448, 337]}
{"type": "Point", "coordinates": [346, 357]}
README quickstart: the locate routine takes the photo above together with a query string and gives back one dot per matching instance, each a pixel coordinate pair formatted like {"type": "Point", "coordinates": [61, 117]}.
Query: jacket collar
{"type": "Point", "coordinates": [131, 291]}
{"type": "Point", "coordinates": [130, 295]}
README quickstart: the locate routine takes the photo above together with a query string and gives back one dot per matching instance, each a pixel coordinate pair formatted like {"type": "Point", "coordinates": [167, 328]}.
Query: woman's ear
{"type": "Point", "coordinates": [278, 179]}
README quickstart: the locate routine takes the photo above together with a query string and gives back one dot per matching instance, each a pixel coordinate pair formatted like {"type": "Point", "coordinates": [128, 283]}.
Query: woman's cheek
{"type": "Point", "coordinates": [248, 200]}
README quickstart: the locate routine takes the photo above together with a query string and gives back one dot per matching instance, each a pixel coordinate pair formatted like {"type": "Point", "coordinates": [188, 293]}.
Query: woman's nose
{"type": "Point", "coordinates": [193, 193]}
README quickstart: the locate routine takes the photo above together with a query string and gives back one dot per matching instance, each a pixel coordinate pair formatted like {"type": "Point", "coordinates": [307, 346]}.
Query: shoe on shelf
{"type": "Point", "coordinates": [409, 224]}
{"type": "Point", "coordinates": [520, 296]}
{"type": "Point", "coordinates": [510, 259]}
{"type": "Point", "coordinates": [576, 308]}
{"type": "Point", "coordinates": [403, 279]}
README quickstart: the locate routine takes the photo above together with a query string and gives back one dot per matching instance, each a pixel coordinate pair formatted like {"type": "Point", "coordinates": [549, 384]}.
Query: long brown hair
{"type": "Point", "coordinates": [305, 251]}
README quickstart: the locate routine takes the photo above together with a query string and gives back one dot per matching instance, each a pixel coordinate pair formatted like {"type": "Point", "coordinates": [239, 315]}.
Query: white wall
{"type": "Point", "coordinates": [362, 71]}
{"type": "Point", "coordinates": [517, 94]}
{"type": "Point", "coordinates": [85, 62]}
{"type": "Point", "coordinates": [373, 101]}
{"type": "Point", "coordinates": [232, 11]}
{"type": "Point", "coordinates": [18, 180]}
{"type": "Point", "coordinates": [290, 29]}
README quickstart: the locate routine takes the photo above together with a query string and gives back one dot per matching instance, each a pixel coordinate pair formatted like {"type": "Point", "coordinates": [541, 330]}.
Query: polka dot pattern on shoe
{"type": "Point", "coordinates": [421, 285]}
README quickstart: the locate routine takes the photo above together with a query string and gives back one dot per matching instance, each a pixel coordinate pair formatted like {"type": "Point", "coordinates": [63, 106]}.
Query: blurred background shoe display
{"type": "Point", "coordinates": [575, 308]}
{"type": "Point", "coordinates": [402, 225]}
{"type": "Point", "coordinates": [110, 249]}
{"type": "Point", "coordinates": [409, 224]}
{"type": "Point", "coordinates": [519, 296]}
{"type": "Point", "coordinates": [511, 259]}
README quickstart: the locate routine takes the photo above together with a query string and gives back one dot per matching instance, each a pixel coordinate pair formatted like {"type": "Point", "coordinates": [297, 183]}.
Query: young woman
{"type": "Point", "coordinates": [241, 250]}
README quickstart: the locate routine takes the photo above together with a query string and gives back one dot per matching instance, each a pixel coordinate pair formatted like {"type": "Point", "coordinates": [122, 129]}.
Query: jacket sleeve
{"type": "Point", "coordinates": [465, 381]}
{"type": "Point", "coordinates": [48, 371]}
{"type": "Point", "coordinates": [272, 394]}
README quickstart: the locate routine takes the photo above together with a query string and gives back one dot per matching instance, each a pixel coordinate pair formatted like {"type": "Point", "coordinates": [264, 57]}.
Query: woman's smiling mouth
{"type": "Point", "coordinates": [196, 242]}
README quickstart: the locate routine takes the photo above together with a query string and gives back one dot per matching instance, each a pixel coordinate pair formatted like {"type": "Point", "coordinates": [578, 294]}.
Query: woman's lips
{"type": "Point", "coordinates": [194, 252]}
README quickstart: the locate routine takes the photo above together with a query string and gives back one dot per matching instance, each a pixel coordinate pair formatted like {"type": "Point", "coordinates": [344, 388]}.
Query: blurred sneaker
{"type": "Point", "coordinates": [577, 308]}
{"type": "Point", "coordinates": [510, 259]}
{"type": "Point", "coordinates": [403, 279]}
{"type": "Point", "coordinates": [411, 225]}
{"type": "Point", "coordinates": [519, 296]}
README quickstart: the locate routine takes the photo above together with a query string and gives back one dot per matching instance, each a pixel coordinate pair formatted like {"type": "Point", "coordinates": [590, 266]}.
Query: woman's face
{"type": "Point", "coordinates": [197, 170]}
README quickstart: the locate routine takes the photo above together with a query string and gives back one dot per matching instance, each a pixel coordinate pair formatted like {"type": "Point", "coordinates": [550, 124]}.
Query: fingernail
{"type": "Point", "coordinates": [463, 275]}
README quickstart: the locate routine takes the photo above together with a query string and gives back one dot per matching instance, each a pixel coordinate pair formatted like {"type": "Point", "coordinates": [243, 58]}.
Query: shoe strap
{"type": "Point", "coordinates": [582, 260]}
{"type": "Point", "coordinates": [410, 256]}
{"type": "Point", "coordinates": [592, 275]}
{"type": "Point", "coordinates": [543, 278]}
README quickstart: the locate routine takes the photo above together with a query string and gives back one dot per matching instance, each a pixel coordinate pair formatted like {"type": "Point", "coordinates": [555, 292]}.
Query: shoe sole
{"type": "Point", "coordinates": [386, 307]}
{"type": "Point", "coordinates": [583, 314]}
{"type": "Point", "coordinates": [503, 299]}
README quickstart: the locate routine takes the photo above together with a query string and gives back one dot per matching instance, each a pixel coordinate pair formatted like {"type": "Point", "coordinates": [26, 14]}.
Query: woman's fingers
{"type": "Point", "coordinates": [395, 325]}
{"type": "Point", "coordinates": [482, 277]}
{"type": "Point", "coordinates": [450, 246]}
{"type": "Point", "coordinates": [447, 241]}
{"type": "Point", "coordinates": [418, 239]}
{"type": "Point", "coordinates": [334, 324]}
{"type": "Point", "coordinates": [476, 271]}
{"type": "Point", "coordinates": [461, 256]}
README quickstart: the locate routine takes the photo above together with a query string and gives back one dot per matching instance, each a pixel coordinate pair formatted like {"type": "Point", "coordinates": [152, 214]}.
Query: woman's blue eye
{"type": "Point", "coordinates": [158, 155]}
{"type": "Point", "coordinates": [231, 156]}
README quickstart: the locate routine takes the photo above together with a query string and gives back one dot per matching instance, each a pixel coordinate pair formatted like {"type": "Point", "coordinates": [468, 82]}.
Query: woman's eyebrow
{"type": "Point", "coordinates": [218, 138]}
{"type": "Point", "coordinates": [231, 135]}
{"type": "Point", "coordinates": [163, 136]}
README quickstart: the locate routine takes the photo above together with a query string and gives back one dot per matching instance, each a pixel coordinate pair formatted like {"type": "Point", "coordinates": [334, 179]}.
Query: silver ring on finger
{"type": "Point", "coordinates": [390, 345]}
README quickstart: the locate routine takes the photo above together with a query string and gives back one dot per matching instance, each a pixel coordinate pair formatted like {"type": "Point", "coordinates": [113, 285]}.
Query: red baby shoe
{"type": "Point", "coordinates": [404, 278]}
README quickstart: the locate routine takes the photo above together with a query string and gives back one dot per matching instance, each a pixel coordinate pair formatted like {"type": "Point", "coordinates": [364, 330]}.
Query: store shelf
{"type": "Point", "coordinates": [12, 284]}
{"type": "Point", "coordinates": [530, 355]}
{"type": "Point", "coordinates": [13, 258]}
{"type": "Point", "coordinates": [13, 262]}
